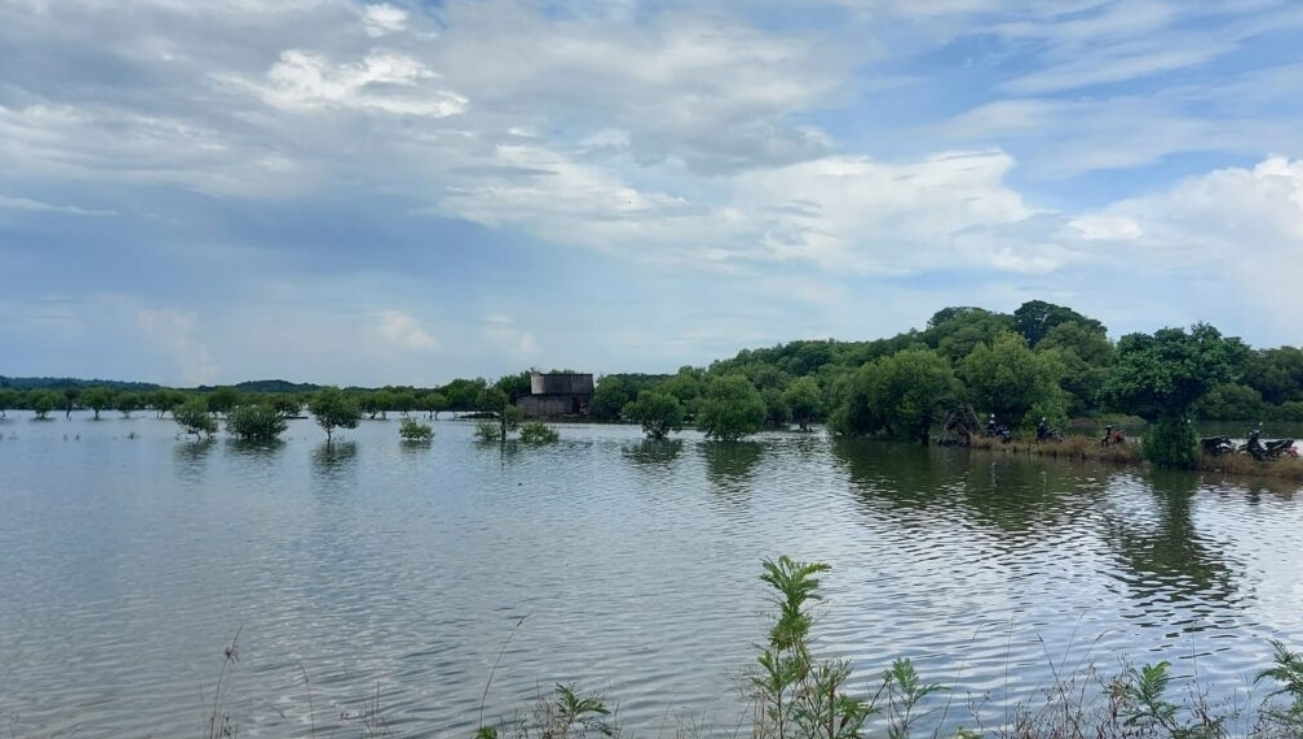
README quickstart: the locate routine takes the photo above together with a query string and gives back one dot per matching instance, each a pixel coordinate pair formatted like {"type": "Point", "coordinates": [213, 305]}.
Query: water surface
{"type": "Point", "coordinates": [393, 575]}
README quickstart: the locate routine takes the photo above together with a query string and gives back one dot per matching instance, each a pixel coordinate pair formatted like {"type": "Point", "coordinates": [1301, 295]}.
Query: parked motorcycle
{"type": "Point", "coordinates": [1113, 436]}
{"type": "Point", "coordinates": [1045, 433]}
{"type": "Point", "coordinates": [1216, 445]}
{"type": "Point", "coordinates": [1270, 449]}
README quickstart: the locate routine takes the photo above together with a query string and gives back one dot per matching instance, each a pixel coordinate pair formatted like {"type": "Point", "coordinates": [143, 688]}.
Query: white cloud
{"type": "Point", "coordinates": [404, 331]}
{"type": "Point", "coordinates": [505, 336]}
{"type": "Point", "coordinates": [384, 19]}
{"type": "Point", "coordinates": [36, 205]}
{"type": "Point", "coordinates": [1241, 229]}
{"type": "Point", "coordinates": [175, 331]}
{"type": "Point", "coordinates": [382, 81]}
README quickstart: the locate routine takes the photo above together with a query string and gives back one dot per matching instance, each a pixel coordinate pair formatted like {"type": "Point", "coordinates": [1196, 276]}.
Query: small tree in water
{"type": "Point", "coordinates": [659, 414]}
{"type": "Point", "coordinates": [333, 409]}
{"type": "Point", "coordinates": [260, 423]}
{"type": "Point", "coordinates": [194, 418]}
{"type": "Point", "coordinates": [732, 409]}
{"type": "Point", "coordinates": [413, 430]}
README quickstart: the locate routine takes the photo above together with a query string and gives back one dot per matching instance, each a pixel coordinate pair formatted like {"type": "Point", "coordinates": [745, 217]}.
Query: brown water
{"type": "Point", "coordinates": [394, 575]}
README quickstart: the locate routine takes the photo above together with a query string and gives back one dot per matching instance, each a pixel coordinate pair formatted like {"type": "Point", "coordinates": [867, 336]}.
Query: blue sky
{"type": "Point", "coordinates": [347, 192]}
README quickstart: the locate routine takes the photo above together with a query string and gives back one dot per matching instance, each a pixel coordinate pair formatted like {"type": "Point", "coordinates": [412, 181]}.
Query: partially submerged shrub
{"type": "Point", "coordinates": [194, 418]}
{"type": "Point", "coordinates": [487, 431]}
{"type": "Point", "coordinates": [412, 430]}
{"type": "Point", "coordinates": [537, 432]}
{"type": "Point", "coordinates": [255, 423]}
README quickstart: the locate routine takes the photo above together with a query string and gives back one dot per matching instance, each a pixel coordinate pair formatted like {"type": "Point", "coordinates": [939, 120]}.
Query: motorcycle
{"type": "Point", "coordinates": [1045, 433]}
{"type": "Point", "coordinates": [1215, 445]}
{"type": "Point", "coordinates": [1271, 449]}
{"type": "Point", "coordinates": [1112, 436]}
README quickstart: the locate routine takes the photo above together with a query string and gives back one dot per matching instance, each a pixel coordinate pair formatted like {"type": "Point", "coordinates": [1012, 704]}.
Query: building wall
{"type": "Point", "coordinates": [560, 384]}
{"type": "Point", "coordinates": [553, 406]}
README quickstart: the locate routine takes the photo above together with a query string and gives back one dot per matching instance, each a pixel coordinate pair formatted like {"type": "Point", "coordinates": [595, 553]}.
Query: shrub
{"type": "Point", "coordinates": [255, 423]}
{"type": "Point", "coordinates": [487, 431]}
{"type": "Point", "coordinates": [412, 430]}
{"type": "Point", "coordinates": [731, 410]}
{"type": "Point", "coordinates": [1172, 442]}
{"type": "Point", "coordinates": [537, 432]}
{"type": "Point", "coordinates": [333, 409]}
{"type": "Point", "coordinates": [658, 413]}
{"type": "Point", "coordinates": [194, 418]}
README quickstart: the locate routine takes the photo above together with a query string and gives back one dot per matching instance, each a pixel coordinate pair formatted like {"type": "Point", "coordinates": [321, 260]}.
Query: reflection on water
{"type": "Point", "coordinates": [192, 458]}
{"type": "Point", "coordinates": [731, 465]}
{"type": "Point", "coordinates": [382, 567]}
{"type": "Point", "coordinates": [1163, 553]}
{"type": "Point", "coordinates": [653, 453]}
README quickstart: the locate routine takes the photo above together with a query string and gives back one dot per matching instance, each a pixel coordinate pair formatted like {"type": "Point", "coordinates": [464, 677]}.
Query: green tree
{"type": "Point", "coordinates": [1086, 354]}
{"type": "Point", "coordinates": [381, 401]}
{"type": "Point", "coordinates": [687, 385]}
{"type": "Point", "coordinates": [404, 400]}
{"type": "Point", "coordinates": [97, 399]}
{"type": "Point", "coordinates": [805, 401]}
{"type": "Point", "coordinates": [332, 410]}
{"type": "Point", "coordinates": [610, 397]}
{"type": "Point", "coordinates": [659, 414]}
{"type": "Point", "coordinates": [434, 404]}
{"type": "Point", "coordinates": [955, 332]}
{"type": "Point", "coordinates": [494, 400]}
{"type": "Point", "coordinates": [42, 402]}
{"type": "Point", "coordinates": [1036, 318]}
{"type": "Point", "coordinates": [126, 403]}
{"type": "Point", "coordinates": [899, 396]}
{"type": "Point", "coordinates": [463, 394]}
{"type": "Point", "coordinates": [287, 405]}
{"type": "Point", "coordinates": [1161, 377]}
{"type": "Point", "coordinates": [1006, 378]}
{"type": "Point", "coordinates": [255, 422]}
{"type": "Point", "coordinates": [731, 409]}
{"type": "Point", "coordinates": [167, 400]}
{"type": "Point", "coordinates": [777, 412]}
{"type": "Point", "coordinates": [515, 386]}
{"type": "Point", "coordinates": [8, 399]}
{"type": "Point", "coordinates": [1276, 373]}
{"type": "Point", "coordinates": [1231, 402]}
{"type": "Point", "coordinates": [413, 430]}
{"type": "Point", "coordinates": [194, 418]}
{"type": "Point", "coordinates": [223, 400]}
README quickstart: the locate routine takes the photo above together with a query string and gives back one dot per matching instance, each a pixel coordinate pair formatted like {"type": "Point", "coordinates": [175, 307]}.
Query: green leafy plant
{"type": "Point", "coordinates": [256, 423]}
{"type": "Point", "coordinates": [412, 430]}
{"type": "Point", "coordinates": [193, 417]}
{"type": "Point", "coordinates": [537, 432]}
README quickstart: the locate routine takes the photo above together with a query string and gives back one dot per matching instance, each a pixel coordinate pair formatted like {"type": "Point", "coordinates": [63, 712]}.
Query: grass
{"type": "Point", "coordinates": [1079, 448]}
{"type": "Point", "coordinates": [1289, 469]}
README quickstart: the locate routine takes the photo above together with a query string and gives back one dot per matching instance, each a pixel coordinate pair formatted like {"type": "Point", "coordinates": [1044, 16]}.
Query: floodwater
{"type": "Point", "coordinates": [374, 585]}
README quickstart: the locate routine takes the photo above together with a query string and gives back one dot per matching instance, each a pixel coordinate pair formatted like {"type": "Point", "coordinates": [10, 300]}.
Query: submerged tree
{"type": "Point", "coordinates": [899, 396]}
{"type": "Point", "coordinates": [412, 430]}
{"type": "Point", "coordinates": [804, 401]}
{"type": "Point", "coordinates": [126, 403]}
{"type": "Point", "coordinates": [194, 418]}
{"type": "Point", "coordinates": [42, 402]}
{"type": "Point", "coordinates": [97, 399]}
{"type": "Point", "coordinates": [333, 409]}
{"type": "Point", "coordinates": [731, 409]}
{"type": "Point", "coordinates": [659, 414]}
{"type": "Point", "coordinates": [8, 399]}
{"type": "Point", "coordinates": [1008, 379]}
{"type": "Point", "coordinates": [256, 422]}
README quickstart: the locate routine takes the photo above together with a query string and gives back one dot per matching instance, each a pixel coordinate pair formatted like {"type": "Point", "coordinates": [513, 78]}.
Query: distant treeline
{"type": "Point", "coordinates": [1042, 360]}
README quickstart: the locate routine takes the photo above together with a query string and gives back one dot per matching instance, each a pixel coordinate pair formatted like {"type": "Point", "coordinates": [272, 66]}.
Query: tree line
{"type": "Point", "coordinates": [1040, 361]}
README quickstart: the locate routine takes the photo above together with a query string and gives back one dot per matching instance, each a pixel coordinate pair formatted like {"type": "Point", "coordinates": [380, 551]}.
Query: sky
{"type": "Point", "coordinates": [405, 192]}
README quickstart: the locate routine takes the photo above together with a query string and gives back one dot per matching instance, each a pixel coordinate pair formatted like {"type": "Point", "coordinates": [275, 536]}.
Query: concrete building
{"type": "Point", "coordinates": [557, 395]}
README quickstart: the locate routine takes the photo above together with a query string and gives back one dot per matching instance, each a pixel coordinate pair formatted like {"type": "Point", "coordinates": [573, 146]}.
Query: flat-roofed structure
{"type": "Point", "coordinates": [557, 395]}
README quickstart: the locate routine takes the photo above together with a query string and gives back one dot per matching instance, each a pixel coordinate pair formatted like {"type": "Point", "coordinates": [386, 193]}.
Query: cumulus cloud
{"type": "Point", "coordinates": [384, 19]}
{"type": "Point", "coordinates": [176, 333]}
{"type": "Point", "coordinates": [404, 331]}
